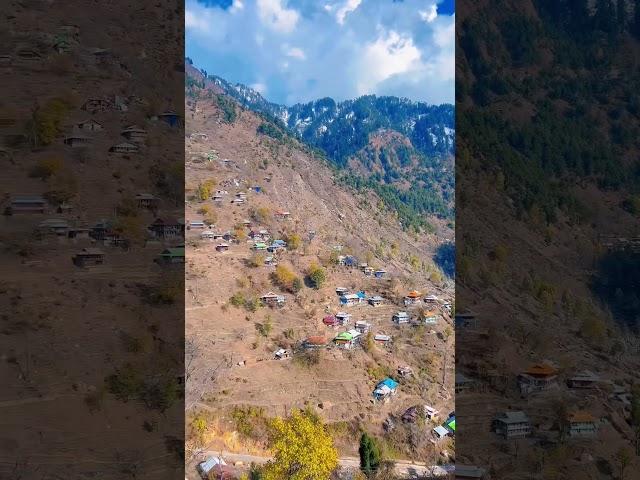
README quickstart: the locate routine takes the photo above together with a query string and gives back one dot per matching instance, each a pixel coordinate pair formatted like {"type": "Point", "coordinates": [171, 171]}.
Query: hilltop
{"type": "Point", "coordinates": [254, 183]}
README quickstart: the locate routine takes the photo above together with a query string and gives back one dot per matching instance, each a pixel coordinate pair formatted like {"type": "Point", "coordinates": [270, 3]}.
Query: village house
{"type": "Point", "coordinates": [581, 424]}
{"type": "Point", "coordinates": [28, 204]}
{"type": "Point", "coordinates": [585, 379]}
{"type": "Point", "coordinates": [340, 291]}
{"type": "Point", "coordinates": [197, 225]}
{"type": "Point", "coordinates": [343, 318]}
{"type": "Point", "coordinates": [99, 230]}
{"type": "Point", "coordinates": [101, 56]}
{"type": "Point", "coordinates": [167, 228]}
{"type": "Point", "coordinates": [463, 384]}
{"type": "Point", "coordinates": [270, 261]}
{"type": "Point", "coordinates": [537, 378]}
{"type": "Point", "coordinates": [281, 354]}
{"type": "Point", "coordinates": [206, 468]}
{"type": "Point", "coordinates": [347, 340]}
{"type": "Point", "coordinates": [259, 246]}
{"type": "Point", "coordinates": [134, 134]}
{"type": "Point", "coordinates": [113, 238]}
{"type": "Point", "coordinates": [430, 317]}
{"type": "Point", "coordinates": [171, 256]}
{"type": "Point", "coordinates": [77, 141]}
{"type": "Point", "coordinates": [315, 341]}
{"type": "Point", "coordinates": [512, 425]}
{"type": "Point", "coordinates": [147, 200]}
{"type": "Point", "coordinates": [400, 318]}
{"type": "Point", "coordinates": [88, 257]}
{"type": "Point", "coordinates": [170, 118]}
{"type": "Point", "coordinates": [352, 299]}
{"type": "Point", "coordinates": [469, 472]}
{"type": "Point", "coordinates": [430, 299]}
{"type": "Point", "coordinates": [430, 412]}
{"type": "Point", "coordinates": [90, 126]}
{"type": "Point", "coordinates": [441, 432]}
{"type": "Point", "coordinates": [382, 339]}
{"type": "Point", "coordinates": [208, 235]}
{"type": "Point", "coordinates": [282, 214]}
{"type": "Point", "coordinates": [125, 148]}
{"type": "Point", "coordinates": [79, 233]}
{"type": "Point", "coordinates": [28, 54]}
{"type": "Point", "coordinates": [222, 247]}
{"type": "Point", "coordinates": [380, 273]}
{"type": "Point", "coordinates": [330, 321]}
{"type": "Point", "coordinates": [272, 300]}
{"type": "Point", "coordinates": [54, 226]}
{"type": "Point", "coordinates": [362, 326]}
{"type": "Point", "coordinates": [405, 371]}
{"type": "Point", "coordinates": [368, 271]}
{"type": "Point", "coordinates": [412, 298]}
{"type": "Point", "coordinates": [385, 389]}
{"type": "Point", "coordinates": [238, 201]}
{"type": "Point", "coordinates": [96, 105]}
{"type": "Point", "coordinates": [376, 301]}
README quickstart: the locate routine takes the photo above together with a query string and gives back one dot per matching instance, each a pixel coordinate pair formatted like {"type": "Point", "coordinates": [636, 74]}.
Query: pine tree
{"type": "Point", "coordinates": [635, 26]}
{"type": "Point", "coordinates": [622, 15]}
{"type": "Point", "coordinates": [369, 454]}
{"type": "Point", "coordinates": [604, 16]}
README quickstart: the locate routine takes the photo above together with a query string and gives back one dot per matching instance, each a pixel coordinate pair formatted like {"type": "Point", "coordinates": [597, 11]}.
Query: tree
{"type": "Point", "coordinates": [205, 189]}
{"type": "Point", "coordinates": [623, 457]}
{"type": "Point", "coordinates": [370, 456]}
{"type": "Point", "coordinates": [636, 20]}
{"type": "Point", "coordinates": [294, 241]}
{"type": "Point", "coordinates": [46, 168]}
{"type": "Point", "coordinates": [317, 275]}
{"type": "Point", "coordinates": [302, 449]}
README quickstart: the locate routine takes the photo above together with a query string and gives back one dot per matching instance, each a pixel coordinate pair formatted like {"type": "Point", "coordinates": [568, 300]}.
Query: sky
{"type": "Point", "coordinates": [295, 51]}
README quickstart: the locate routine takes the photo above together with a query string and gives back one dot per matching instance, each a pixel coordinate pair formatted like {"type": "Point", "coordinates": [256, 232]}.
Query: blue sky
{"type": "Point", "coordinates": [301, 50]}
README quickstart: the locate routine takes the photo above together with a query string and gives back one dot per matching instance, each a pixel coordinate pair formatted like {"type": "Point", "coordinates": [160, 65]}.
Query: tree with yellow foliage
{"type": "Point", "coordinates": [302, 449]}
{"type": "Point", "coordinates": [205, 189]}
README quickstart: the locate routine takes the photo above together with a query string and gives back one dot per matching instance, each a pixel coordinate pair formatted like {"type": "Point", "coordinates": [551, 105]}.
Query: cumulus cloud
{"type": "Point", "coordinates": [259, 87]}
{"type": "Point", "coordinates": [349, 47]}
{"type": "Point", "coordinates": [430, 14]}
{"type": "Point", "coordinates": [348, 7]}
{"type": "Point", "coordinates": [276, 16]}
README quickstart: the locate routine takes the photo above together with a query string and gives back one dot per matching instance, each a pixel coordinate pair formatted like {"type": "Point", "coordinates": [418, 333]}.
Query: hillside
{"type": "Point", "coordinates": [417, 172]}
{"type": "Point", "coordinates": [234, 381]}
{"type": "Point", "coordinates": [547, 168]}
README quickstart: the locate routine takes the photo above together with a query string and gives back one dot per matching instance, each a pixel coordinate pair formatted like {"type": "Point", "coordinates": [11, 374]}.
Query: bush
{"type": "Point", "coordinates": [317, 275]}
{"type": "Point", "coordinates": [46, 168]}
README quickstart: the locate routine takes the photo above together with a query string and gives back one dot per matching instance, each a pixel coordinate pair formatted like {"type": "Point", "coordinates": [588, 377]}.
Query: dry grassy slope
{"type": "Point", "coordinates": [62, 322]}
{"type": "Point", "coordinates": [300, 184]}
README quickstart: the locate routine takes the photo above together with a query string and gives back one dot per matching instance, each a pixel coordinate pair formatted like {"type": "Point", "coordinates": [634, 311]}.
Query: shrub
{"type": "Point", "coordinates": [317, 275]}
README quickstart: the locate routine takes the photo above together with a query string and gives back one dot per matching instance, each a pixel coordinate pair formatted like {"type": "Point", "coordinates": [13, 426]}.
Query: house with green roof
{"type": "Point", "coordinates": [171, 256]}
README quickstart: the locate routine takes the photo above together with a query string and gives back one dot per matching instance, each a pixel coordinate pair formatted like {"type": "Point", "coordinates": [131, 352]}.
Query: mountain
{"type": "Point", "coordinates": [400, 148]}
{"type": "Point", "coordinates": [235, 385]}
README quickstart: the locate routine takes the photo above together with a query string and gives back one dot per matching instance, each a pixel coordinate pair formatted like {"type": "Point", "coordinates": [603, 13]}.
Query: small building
{"type": "Point", "coordinates": [95, 105]}
{"type": "Point", "coordinates": [351, 299]}
{"type": "Point", "coordinates": [196, 225]}
{"type": "Point", "coordinates": [376, 301]}
{"type": "Point", "coordinates": [170, 118]}
{"type": "Point", "coordinates": [206, 468]}
{"type": "Point", "coordinates": [405, 371]}
{"type": "Point", "coordinates": [441, 432]}
{"type": "Point", "coordinates": [347, 340]}
{"type": "Point", "coordinates": [469, 472]}
{"type": "Point", "coordinates": [362, 326]}
{"type": "Point", "coordinates": [171, 256]}
{"type": "Point", "coordinates": [330, 320]}
{"type": "Point", "coordinates": [134, 134]}
{"type": "Point", "coordinates": [147, 200]}
{"type": "Point", "coordinates": [343, 318]}
{"type": "Point", "coordinates": [280, 354]}
{"type": "Point", "coordinates": [315, 341]}
{"type": "Point", "coordinates": [54, 226]}
{"type": "Point", "coordinates": [273, 300]}
{"type": "Point", "coordinates": [222, 247]}
{"type": "Point", "coordinates": [79, 233]}
{"type": "Point", "coordinates": [380, 273]}
{"type": "Point", "coordinates": [207, 235]}
{"type": "Point", "coordinates": [537, 378]}
{"type": "Point", "coordinates": [430, 412]}
{"type": "Point", "coordinates": [259, 246]}
{"type": "Point", "coordinates": [382, 339]}
{"type": "Point", "coordinates": [90, 126]}
{"type": "Point", "coordinates": [88, 257]}
{"type": "Point", "coordinates": [125, 147]}
{"type": "Point", "coordinates": [270, 261]}
{"type": "Point", "coordinates": [581, 424]}
{"type": "Point", "coordinates": [28, 204]}
{"type": "Point", "coordinates": [282, 214]}
{"type": "Point", "coordinates": [430, 299]}
{"type": "Point", "coordinates": [400, 318]}
{"type": "Point", "coordinates": [412, 298]}
{"type": "Point", "coordinates": [368, 271]}
{"type": "Point", "coordinates": [585, 380]}
{"type": "Point", "coordinates": [238, 201]}
{"type": "Point", "coordinates": [512, 425]}
{"type": "Point", "coordinates": [77, 141]}
{"type": "Point", "coordinates": [349, 261]}
{"type": "Point", "coordinates": [386, 389]}
{"type": "Point", "coordinates": [167, 228]}
{"type": "Point", "coordinates": [430, 317]}
{"type": "Point", "coordinates": [340, 291]}
{"type": "Point", "coordinates": [463, 384]}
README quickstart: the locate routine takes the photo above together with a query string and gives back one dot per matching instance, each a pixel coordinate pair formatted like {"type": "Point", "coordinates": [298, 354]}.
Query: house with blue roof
{"type": "Point", "coordinates": [386, 389]}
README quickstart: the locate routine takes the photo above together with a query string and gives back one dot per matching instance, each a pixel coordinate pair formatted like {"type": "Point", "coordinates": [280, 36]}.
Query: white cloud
{"type": "Point", "coordinates": [195, 22]}
{"type": "Point", "coordinates": [430, 14]}
{"type": "Point", "coordinates": [391, 54]}
{"type": "Point", "coordinates": [294, 52]}
{"type": "Point", "coordinates": [276, 16]}
{"type": "Point", "coordinates": [261, 88]}
{"type": "Point", "coordinates": [348, 7]}
{"type": "Point", "coordinates": [237, 6]}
